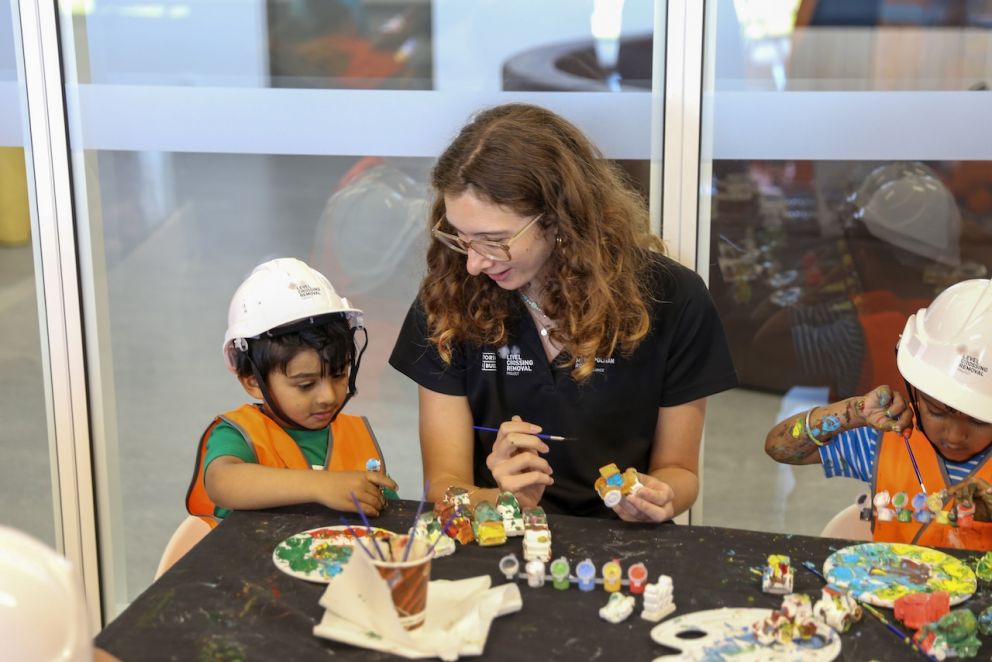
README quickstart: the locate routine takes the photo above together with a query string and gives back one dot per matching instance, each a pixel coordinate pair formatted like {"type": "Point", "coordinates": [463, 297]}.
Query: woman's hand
{"type": "Point", "coordinates": [654, 502]}
{"type": "Point", "coordinates": [516, 462]}
{"type": "Point", "coordinates": [883, 409]}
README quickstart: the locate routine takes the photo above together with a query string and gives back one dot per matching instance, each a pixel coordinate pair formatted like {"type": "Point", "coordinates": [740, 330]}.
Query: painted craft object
{"type": "Point", "coordinates": [954, 635]}
{"type": "Point", "coordinates": [918, 609]}
{"type": "Point", "coordinates": [429, 529]}
{"type": "Point", "coordinates": [837, 609]}
{"type": "Point", "coordinates": [658, 599]}
{"type": "Point", "coordinates": [509, 510]}
{"type": "Point", "coordinates": [778, 575]}
{"type": "Point", "coordinates": [537, 535]}
{"type": "Point", "coordinates": [318, 555]}
{"type": "Point", "coordinates": [488, 525]}
{"type": "Point", "coordinates": [617, 608]}
{"type": "Point", "coordinates": [791, 623]}
{"type": "Point", "coordinates": [728, 635]}
{"type": "Point", "coordinates": [612, 486]}
{"type": "Point", "coordinates": [879, 573]}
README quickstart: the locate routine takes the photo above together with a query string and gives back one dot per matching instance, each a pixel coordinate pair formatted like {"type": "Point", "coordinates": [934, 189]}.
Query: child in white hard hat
{"type": "Point", "coordinates": [928, 459]}
{"type": "Point", "coordinates": [291, 343]}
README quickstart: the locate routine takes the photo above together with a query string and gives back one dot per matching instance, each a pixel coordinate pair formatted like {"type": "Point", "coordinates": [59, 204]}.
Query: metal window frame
{"type": "Point", "coordinates": [62, 333]}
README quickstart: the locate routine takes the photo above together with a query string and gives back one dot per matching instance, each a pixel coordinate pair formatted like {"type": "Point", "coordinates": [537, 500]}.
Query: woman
{"type": "Point", "coordinates": [548, 305]}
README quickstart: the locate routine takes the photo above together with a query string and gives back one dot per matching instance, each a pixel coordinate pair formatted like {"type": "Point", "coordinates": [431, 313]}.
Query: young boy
{"type": "Point", "coordinates": [290, 341]}
{"type": "Point", "coordinates": [945, 358]}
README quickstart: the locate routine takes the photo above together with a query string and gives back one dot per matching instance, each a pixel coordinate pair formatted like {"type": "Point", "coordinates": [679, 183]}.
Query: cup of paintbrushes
{"type": "Point", "coordinates": [407, 579]}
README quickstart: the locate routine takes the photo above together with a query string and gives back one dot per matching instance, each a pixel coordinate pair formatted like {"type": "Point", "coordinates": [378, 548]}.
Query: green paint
{"type": "Point", "coordinates": [152, 614]}
{"type": "Point", "coordinates": [215, 649]}
{"type": "Point", "coordinates": [295, 551]}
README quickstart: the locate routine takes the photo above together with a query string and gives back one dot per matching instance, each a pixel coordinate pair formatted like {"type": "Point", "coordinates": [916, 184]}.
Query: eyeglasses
{"type": "Point", "coordinates": [491, 250]}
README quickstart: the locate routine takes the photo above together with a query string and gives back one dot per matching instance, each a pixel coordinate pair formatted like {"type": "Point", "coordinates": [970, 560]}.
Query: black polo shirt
{"type": "Point", "coordinates": [612, 414]}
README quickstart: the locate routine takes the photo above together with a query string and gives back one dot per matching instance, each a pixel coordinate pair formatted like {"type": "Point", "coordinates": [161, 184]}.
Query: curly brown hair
{"type": "Point", "coordinates": [529, 160]}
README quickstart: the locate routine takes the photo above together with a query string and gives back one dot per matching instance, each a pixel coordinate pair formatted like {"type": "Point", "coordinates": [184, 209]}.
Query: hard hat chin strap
{"type": "Point", "coordinates": [914, 401]}
{"type": "Point", "coordinates": [356, 362]}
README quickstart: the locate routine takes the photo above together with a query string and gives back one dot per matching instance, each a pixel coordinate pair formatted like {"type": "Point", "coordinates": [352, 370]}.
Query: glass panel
{"type": "Point", "coordinates": [188, 183]}
{"type": "Point", "coordinates": [828, 217]}
{"type": "Point", "coordinates": [25, 444]}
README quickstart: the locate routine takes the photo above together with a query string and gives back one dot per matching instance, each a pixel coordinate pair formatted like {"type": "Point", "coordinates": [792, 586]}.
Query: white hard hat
{"type": "Point", "coordinates": [906, 205]}
{"type": "Point", "coordinates": [946, 349]}
{"type": "Point", "coordinates": [277, 293]}
{"type": "Point", "coordinates": [34, 581]}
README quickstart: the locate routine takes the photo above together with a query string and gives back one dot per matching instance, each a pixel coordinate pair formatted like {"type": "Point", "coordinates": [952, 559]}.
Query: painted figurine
{"type": "Point", "coordinates": [559, 573]}
{"type": "Point", "coordinates": [954, 635]}
{"type": "Point", "coordinates": [488, 525]}
{"type": "Point", "coordinates": [509, 510]}
{"type": "Point", "coordinates": [617, 608]}
{"type": "Point", "coordinates": [585, 572]}
{"type": "Point", "coordinates": [837, 609]}
{"type": "Point", "coordinates": [429, 528]}
{"type": "Point", "coordinates": [509, 566]}
{"type": "Point", "coordinates": [917, 609]}
{"type": "Point", "coordinates": [537, 535]}
{"type": "Point", "coordinates": [637, 577]}
{"type": "Point", "coordinates": [985, 621]}
{"type": "Point", "coordinates": [455, 506]}
{"type": "Point", "coordinates": [778, 575]}
{"type": "Point", "coordinates": [658, 599]}
{"type": "Point", "coordinates": [611, 576]}
{"type": "Point", "coordinates": [612, 485]}
{"type": "Point", "coordinates": [792, 622]}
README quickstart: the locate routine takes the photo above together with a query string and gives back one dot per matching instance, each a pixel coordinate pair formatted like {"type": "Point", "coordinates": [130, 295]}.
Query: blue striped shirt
{"type": "Point", "coordinates": [851, 454]}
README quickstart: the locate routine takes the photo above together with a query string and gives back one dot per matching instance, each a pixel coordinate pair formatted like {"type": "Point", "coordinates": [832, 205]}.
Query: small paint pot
{"type": "Point", "coordinates": [905, 515]}
{"type": "Point", "coordinates": [881, 499]}
{"type": "Point", "coordinates": [900, 500]}
{"type": "Point", "coordinates": [509, 566]}
{"type": "Point", "coordinates": [637, 574]}
{"type": "Point", "coordinates": [586, 574]}
{"type": "Point", "coordinates": [535, 573]}
{"type": "Point", "coordinates": [611, 576]}
{"type": "Point", "coordinates": [559, 573]}
{"type": "Point", "coordinates": [923, 516]}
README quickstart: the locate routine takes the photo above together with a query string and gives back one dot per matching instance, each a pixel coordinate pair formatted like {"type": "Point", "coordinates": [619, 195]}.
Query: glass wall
{"type": "Point", "coordinates": [845, 180]}
{"type": "Point", "coordinates": [26, 475]}
{"type": "Point", "coordinates": [210, 136]}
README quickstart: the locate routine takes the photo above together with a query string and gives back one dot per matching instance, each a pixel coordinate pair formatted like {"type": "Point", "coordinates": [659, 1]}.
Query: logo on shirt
{"type": "Point", "coordinates": [515, 362]}
{"type": "Point", "coordinates": [489, 362]}
{"type": "Point", "coordinates": [601, 363]}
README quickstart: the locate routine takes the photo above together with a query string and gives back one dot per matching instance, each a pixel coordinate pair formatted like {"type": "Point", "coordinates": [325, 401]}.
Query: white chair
{"type": "Point", "coordinates": [189, 532]}
{"type": "Point", "coordinates": [848, 524]}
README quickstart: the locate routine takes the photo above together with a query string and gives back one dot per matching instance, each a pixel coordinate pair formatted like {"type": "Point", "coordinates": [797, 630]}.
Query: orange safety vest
{"type": "Point", "coordinates": [894, 472]}
{"type": "Point", "coordinates": [273, 447]}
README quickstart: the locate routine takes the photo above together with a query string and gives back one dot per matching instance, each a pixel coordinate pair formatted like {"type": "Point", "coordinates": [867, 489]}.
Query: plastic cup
{"type": "Point", "coordinates": [407, 580]}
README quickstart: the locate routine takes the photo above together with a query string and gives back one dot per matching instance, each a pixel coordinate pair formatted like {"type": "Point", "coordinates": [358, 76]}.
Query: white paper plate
{"type": "Point", "coordinates": [317, 555]}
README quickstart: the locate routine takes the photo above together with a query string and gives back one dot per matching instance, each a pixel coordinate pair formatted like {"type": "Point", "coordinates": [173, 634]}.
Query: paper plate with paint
{"type": "Point", "coordinates": [881, 572]}
{"type": "Point", "coordinates": [725, 634]}
{"type": "Point", "coordinates": [318, 555]}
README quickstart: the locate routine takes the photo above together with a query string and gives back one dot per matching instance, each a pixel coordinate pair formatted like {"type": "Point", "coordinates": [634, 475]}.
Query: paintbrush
{"type": "Point", "coordinates": [909, 449]}
{"type": "Point", "coordinates": [874, 612]}
{"type": "Point", "coordinates": [368, 527]}
{"type": "Point", "coordinates": [354, 534]}
{"type": "Point", "coordinates": [539, 435]}
{"type": "Point", "coordinates": [413, 529]}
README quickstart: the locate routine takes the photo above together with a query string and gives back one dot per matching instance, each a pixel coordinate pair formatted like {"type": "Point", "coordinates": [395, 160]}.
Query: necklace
{"type": "Point", "coordinates": [533, 305]}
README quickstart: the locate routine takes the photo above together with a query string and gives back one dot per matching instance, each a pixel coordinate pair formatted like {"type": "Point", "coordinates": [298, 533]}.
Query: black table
{"type": "Point", "coordinates": [225, 600]}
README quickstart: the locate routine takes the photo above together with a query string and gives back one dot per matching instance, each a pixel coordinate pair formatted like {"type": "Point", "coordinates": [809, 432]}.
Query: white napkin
{"type": "Point", "coordinates": [359, 611]}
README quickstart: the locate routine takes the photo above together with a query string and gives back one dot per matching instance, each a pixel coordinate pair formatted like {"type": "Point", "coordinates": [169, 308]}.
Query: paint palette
{"type": "Point", "coordinates": [881, 572]}
{"type": "Point", "coordinates": [318, 555]}
{"type": "Point", "coordinates": [725, 634]}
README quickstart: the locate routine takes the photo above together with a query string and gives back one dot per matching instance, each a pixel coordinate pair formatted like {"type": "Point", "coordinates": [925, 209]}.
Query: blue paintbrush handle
{"type": "Point", "coordinates": [539, 435]}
